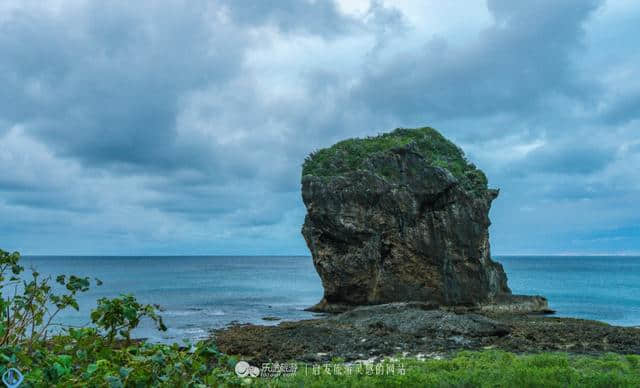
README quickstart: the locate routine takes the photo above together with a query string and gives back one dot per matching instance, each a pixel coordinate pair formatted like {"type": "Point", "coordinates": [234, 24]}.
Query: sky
{"type": "Point", "coordinates": [179, 127]}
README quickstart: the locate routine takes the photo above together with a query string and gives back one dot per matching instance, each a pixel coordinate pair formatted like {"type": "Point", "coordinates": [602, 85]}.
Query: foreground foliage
{"type": "Point", "coordinates": [84, 358]}
{"type": "Point", "coordinates": [99, 356]}
{"type": "Point", "coordinates": [349, 155]}
{"type": "Point", "coordinates": [481, 369]}
{"type": "Point", "coordinates": [122, 315]}
{"type": "Point", "coordinates": [28, 306]}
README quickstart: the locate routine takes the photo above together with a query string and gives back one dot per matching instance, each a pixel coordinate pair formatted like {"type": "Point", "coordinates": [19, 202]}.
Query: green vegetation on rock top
{"type": "Point", "coordinates": [349, 155]}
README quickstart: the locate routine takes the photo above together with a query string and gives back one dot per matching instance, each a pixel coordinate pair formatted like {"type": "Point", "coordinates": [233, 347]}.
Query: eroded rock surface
{"type": "Point", "coordinates": [394, 226]}
{"type": "Point", "coordinates": [419, 319]}
{"type": "Point", "coordinates": [420, 329]}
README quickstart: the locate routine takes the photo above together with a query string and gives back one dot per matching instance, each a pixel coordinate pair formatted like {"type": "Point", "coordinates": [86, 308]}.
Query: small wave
{"type": "Point", "coordinates": [178, 313]}
{"type": "Point", "coordinates": [194, 330]}
{"type": "Point", "coordinates": [191, 312]}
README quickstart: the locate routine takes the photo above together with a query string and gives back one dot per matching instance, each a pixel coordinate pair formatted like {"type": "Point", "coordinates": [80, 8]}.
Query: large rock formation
{"type": "Point", "coordinates": [400, 217]}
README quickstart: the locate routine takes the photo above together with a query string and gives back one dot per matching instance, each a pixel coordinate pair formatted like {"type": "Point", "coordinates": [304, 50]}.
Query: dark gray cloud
{"type": "Point", "coordinates": [525, 56]}
{"type": "Point", "coordinates": [145, 127]}
{"type": "Point", "coordinates": [291, 16]}
{"type": "Point", "coordinates": [103, 84]}
{"type": "Point", "coordinates": [570, 158]}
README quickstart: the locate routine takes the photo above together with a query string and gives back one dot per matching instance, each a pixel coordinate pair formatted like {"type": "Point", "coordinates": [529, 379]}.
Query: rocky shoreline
{"type": "Point", "coordinates": [421, 330]}
{"type": "Point", "coordinates": [398, 229]}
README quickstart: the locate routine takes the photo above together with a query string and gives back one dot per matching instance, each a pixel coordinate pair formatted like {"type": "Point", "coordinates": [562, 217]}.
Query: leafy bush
{"type": "Point", "coordinates": [28, 307]}
{"type": "Point", "coordinates": [85, 358]}
{"type": "Point", "coordinates": [123, 314]}
{"type": "Point", "coordinates": [349, 155]}
{"type": "Point", "coordinates": [93, 357]}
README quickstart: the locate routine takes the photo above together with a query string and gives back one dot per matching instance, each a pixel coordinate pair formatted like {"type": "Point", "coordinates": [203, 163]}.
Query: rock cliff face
{"type": "Point", "coordinates": [392, 223]}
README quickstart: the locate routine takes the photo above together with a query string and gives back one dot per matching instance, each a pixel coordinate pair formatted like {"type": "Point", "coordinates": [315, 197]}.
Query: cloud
{"type": "Point", "coordinates": [152, 127]}
{"type": "Point", "coordinates": [291, 16]}
{"type": "Point", "coordinates": [510, 67]}
{"type": "Point", "coordinates": [102, 84]}
{"type": "Point", "coordinates": [571, 158]}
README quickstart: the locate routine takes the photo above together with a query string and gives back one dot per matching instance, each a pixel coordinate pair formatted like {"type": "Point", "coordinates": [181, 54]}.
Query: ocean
{"type": "Point", "coordinates": [201, 293]}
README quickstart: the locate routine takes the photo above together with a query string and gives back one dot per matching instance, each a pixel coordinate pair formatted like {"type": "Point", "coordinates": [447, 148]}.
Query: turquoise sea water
{"type": "Point", "coordinates": [202, 293]}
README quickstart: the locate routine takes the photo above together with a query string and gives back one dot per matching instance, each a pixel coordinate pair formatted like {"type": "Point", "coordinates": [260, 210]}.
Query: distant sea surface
{"type": "Point", "coordinates": [201, 293]}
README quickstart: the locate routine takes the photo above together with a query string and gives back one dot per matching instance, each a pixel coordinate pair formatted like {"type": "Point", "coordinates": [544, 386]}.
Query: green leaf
{"type": "Point", "coordinates": [114, 382]}
{"type": "Point", "coordinates": [124, 372]}
{"type": "Point", "coordinates": [158, 357]}
{"type": "Point", "coordinates": [81, 354]}
{"type": "Point", "coordinates": [60, 370]}
{"type": "Point", "coordinates": [130, 313]}
{"type": "Point", "coordinates": [65, 360]}
{"type": "Point", "coordinates": [92, 368]}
